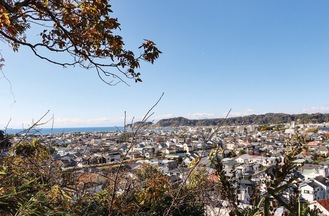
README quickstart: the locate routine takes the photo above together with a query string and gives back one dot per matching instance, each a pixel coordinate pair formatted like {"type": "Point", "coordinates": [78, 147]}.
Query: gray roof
{"type": "Point", "coordinates": [314, 184]}
{"type": "Point", "coordinates": [322, 180]}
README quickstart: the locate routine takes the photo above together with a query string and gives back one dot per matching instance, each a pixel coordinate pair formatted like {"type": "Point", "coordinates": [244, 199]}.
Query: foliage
{"type": "Point", "coordinates": [153, 193]}
{"type": "Point", "coordinates": [32, 183]}
{"type": "Point", "coordinates": [27, 181]}
{"type": "Point", "coordinates": [83, 29]}
{"type": "Point", "coordinates": [312, 130]}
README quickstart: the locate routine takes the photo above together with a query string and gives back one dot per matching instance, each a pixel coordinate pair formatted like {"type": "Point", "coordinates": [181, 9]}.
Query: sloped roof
{"type": "Point", "coordinates": [312, 143]}
{"type": "Point", "coordinates": [244, 156]}
{"type": "Point", "coordinates": [324, 203]}
{"type": "Point", "coordinates": [310, 166]}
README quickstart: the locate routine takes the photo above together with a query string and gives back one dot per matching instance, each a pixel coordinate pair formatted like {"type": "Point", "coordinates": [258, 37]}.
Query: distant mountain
{"type": "Point", "coordinates": [269, 118]}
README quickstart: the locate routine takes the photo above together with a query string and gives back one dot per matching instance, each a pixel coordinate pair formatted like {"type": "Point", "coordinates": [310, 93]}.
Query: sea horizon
{"type": "Point", "coordinates": [43, 131]}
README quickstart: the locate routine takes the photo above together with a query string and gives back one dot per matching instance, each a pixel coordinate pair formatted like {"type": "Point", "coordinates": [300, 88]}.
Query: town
{"type": "Point", "coordinates": [248, 151]}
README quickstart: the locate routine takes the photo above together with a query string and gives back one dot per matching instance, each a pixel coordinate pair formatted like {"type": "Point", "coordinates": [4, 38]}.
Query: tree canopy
{"type": "Point", "coordinates": [84, 29]}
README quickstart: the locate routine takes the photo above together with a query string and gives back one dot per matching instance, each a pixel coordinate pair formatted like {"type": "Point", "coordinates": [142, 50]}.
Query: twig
{"type": "Point", "coordinates": [7, 125]}
{"type": "Point", "coordinates": [35, 124]}
{"type": "Point", "coordinates": [116, 178]}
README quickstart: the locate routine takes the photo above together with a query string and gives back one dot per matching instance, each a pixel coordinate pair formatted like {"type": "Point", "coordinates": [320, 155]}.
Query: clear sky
{"type": "Point", "coordinates": [252, 56]}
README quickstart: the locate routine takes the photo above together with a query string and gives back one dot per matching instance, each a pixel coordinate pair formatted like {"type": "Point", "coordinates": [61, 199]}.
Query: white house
{"type": "Point", "coordinates": [243, 158]}
{"type": "Point", "coordinates": [112, 157]}
{"type": "Point", "coordinates": [312, 191]}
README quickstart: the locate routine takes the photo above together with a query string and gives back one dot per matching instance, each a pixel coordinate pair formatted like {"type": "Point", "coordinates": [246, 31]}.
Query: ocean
{"type": "Point", "coordinates": [43, 131]}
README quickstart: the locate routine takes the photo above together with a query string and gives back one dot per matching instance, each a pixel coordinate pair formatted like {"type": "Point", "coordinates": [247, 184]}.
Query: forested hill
{"type": "Point", "coordinates": [269, 118]}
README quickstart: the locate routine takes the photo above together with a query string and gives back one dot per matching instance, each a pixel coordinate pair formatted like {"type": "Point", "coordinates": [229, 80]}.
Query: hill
{"type": "Point", "coordinates": [268, 118]}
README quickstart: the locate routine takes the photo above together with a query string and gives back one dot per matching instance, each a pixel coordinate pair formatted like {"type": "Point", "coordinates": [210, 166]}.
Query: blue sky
{"type": "Point", "coordinates": [252, 56]}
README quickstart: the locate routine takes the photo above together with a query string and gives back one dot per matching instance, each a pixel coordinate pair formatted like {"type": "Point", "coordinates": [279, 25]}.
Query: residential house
{"type": "Point", "coordinates": [245, 169]}
{"type": "Point", "coordinates": [188, 147]}
{"type": "Point", "coordinates": [112, 156]}
{"type": "Point", "coordinates": [91, 182]}
{"type": "Point", "coordinates": [245, 191]}
{"type": "Point", "coordinates": [312, 146]}
{"type": "Point", "coordinates": [82, 161]}
{"type": "Point", "coordinates": [164, 164]}
{"type": "Point", "coordinates": [170, 151]}
{"type": "Point", "coordinates": [324, 182]}
{"type": "Point", "coordinates": [311, 191]}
